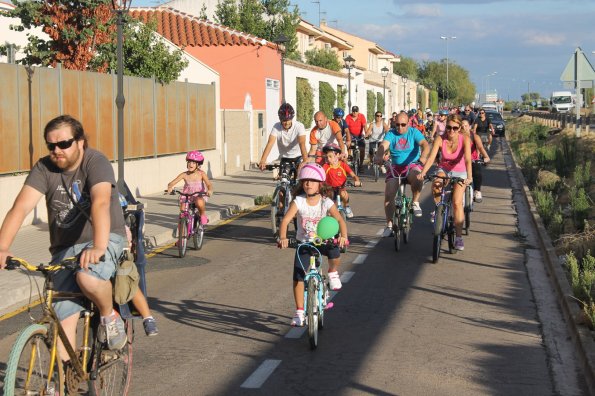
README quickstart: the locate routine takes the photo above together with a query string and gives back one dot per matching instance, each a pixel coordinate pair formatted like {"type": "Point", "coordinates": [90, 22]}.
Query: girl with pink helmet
{"type": "Point", "coordinates": [310, 206]}
{"type": "Point", "coordinates": [195, 180]}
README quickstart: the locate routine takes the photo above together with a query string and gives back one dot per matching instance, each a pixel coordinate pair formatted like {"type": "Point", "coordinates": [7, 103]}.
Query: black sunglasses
{"type": "Point", "coordinates": [63, 144]}
{"type": "Point", "coordinates": [454, 128]}
{"type": "Point", "coordinates": [378, 115]}
{"type": "Point", "coordinates": [401, 125]}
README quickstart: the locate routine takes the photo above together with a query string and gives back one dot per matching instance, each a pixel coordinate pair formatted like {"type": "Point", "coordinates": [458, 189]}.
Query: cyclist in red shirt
{"type": "Point", "coordinates": [336, 174]}
{"type": "Point", "coordinates": [356, 122]}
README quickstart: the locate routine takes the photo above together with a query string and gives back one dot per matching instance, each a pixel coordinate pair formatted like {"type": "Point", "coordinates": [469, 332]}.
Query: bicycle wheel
{"type": "Point", "coordinates": [407, 222]}
{"type": "Point", "coordinates": [437, 237]}
{"type": "Point", "coordinates": [451, 236]}
{"type": "Point", "coordinates": [322, 307]}
{"type": "Point", "coordinates": [397, 228]}
{"type": "Point", "coordinates": [111, 371]}
{"type": "Point", "coordinates": [355, 167]}
{"type": "Point", "coordinates": [275, 213]}
{"type": "Point", "coordinates": [376, 172]}
{"type": "Point", "coordinates": [313, 311]}
{"type": "Point", "coordinates": [182, 236]}
{"type": "Point", "coordinates": [468, 209]}
{"type": "Point", "coordinates": [198, 235]}
{"type": "Point", "coordinates": [28, 365]}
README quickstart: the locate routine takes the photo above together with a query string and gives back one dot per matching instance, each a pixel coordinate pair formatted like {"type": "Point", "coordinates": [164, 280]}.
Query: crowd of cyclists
{"type": "Point", "coordinates": [409, 144]}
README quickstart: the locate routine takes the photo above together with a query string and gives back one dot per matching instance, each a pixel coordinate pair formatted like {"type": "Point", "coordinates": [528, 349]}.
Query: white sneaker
{"type": "Point", "coordinates": [383, 169]}
{"type": "Point", "coordinates": [388, 231]}
{"type": "Point", "coordinates": [334, 280]}
{"type": "Point", "coordinates": [299, 319]}
{"type": "Point", "coordinates": [432, 216]}
{"type": "Point", "coordinates": [477, 196]}
{"type": "Point", "coordinates": [416, 209]}
{"type": "Point", "coordinates": [348, 212]}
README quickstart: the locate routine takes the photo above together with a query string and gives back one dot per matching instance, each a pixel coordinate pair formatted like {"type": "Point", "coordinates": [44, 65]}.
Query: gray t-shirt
{"type": "Point", "coordinates": [68, 225]}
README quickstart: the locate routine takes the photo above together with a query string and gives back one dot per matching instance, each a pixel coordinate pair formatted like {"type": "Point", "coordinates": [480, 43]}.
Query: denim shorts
{"type": "Point", "coordinates": [332, 252]}
{"type": "Point", "coordinates": [462, 175]}
{"type": "Point", "coordinates": [64, 280]}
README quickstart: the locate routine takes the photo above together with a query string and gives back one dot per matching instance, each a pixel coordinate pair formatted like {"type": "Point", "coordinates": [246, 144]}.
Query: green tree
{"type": "Point", "coordinates": [326, 98]}
{"type": "Point", "coordinates": [371, 105]}
{"type": "Point", "coordinates": [459, 90]}
{"type": "Point", "coordinates": [379, 102]}
{"type": "Point", "coordinates": [304, 102]}
{"type": "Point", "coordinates": [341, 94]}
{"type": "Point", "coordinates": [407, 67]}
{"type": "Point", "coordinates": [325, 58]}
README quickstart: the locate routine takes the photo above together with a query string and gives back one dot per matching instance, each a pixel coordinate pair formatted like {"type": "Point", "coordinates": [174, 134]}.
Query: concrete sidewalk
{"type": "Point", "coordinates": [231, 194]}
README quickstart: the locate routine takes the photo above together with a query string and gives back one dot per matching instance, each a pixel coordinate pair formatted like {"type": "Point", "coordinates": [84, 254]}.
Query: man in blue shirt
{"type": "Point", "coordinates": [406, 146]}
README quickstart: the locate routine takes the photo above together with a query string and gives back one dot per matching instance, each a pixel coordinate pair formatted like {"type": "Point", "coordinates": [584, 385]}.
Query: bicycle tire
{"type": "Point", "coordinates": [407, 223]}
{"type": "Point", "coordinates": [437, 237]}
{"type": "Point", "coordinates": [275, 213]}
{"type": "Point", "coordinates": [115, 367]}
{"type": "Point", "coordinates": [313, 310]}
{"type": "Point", "coordinates": [355, 167]}
{"type": "Point", "coordinates": [19, 362]}
{"type": "Point", "coordinates": [376, 172]}
{"type": "Point", "coordinates": [322, 307]}
{"type": "Point", "coordinates": [397, 228]}
{"type": "Point", "coordinates": [182, 236]}
{"type": "Point", "coordinates": [468, 209]}
{"type": "Point", "coordinates": [198, 236]}
{"type": "Point", "coordinates": [451, 236]}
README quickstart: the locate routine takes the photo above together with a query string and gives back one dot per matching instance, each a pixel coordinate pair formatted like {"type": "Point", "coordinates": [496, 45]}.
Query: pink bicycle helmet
{"type": "Point", "coordinates": [312, 171]}
{"type": "Point", "coordinates": [195, 156]}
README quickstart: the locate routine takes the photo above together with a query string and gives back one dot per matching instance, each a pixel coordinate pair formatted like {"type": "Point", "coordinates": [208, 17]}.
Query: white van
{"type": "Point", "coordinates": [561, 102]}
{"type": "Point", "coordinates": [489, 106]}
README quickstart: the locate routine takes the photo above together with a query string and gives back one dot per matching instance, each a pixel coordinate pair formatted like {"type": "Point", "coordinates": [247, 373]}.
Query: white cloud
{"type": "Point", "coordinates": [378, 33]}
{"type": "Point", "coordinates": [423, 11]}
{"type": "Point", "coordinates": [537, 38]}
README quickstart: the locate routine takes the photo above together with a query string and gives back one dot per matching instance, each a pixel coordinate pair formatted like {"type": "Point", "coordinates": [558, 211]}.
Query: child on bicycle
{"type": "Point", "coordinates": [195, 180]}
{"type": "Point", "coordinates": [310, 205]}
{"type": "Point", "coordinates": [336, 174]}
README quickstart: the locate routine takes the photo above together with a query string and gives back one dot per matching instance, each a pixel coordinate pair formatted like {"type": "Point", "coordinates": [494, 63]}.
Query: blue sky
{"type": "Point", "coordinates": [528, 43]}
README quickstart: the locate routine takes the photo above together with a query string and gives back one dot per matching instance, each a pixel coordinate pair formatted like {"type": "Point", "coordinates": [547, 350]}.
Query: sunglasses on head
{"type": "Point", "coordinates": [454, 128]}
{"type": "Point", "coordinates": [63, 144]}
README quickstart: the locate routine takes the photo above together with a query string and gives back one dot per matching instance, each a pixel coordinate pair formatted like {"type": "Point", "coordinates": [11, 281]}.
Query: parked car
{"type": "Point", "coordinates": [497, 121]}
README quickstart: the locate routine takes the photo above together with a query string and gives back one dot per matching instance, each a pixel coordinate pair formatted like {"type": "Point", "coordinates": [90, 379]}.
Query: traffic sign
{"type": "Point", "coordinates": [578, 68]}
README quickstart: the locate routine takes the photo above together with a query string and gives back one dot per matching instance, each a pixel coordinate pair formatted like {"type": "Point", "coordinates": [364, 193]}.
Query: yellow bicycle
{"type": "Point", "coordinates": [34, 367]}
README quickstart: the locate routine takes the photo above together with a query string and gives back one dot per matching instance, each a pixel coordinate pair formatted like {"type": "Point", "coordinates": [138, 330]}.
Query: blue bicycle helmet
{"type": "Point", "coordinates": [338, 112]}
{"type": "Point", "coordinates": [443, 112]}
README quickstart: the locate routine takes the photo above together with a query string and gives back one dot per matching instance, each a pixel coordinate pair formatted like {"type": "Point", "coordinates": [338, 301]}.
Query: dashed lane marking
{"type": "Point", "coordinates": [372, 243]}
{"type": "Point", "coordinates": [261, 374]}
{"type": "Point", "coordinates": [346, 276]}
{"type": "Point", "coordinates": [380, 232]}
{"type": "Point", "coordinates": [360, 259]}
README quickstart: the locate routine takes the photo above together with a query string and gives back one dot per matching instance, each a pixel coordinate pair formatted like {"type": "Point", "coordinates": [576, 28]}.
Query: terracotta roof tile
{"type": "Point", "coordinates": [187, 30]}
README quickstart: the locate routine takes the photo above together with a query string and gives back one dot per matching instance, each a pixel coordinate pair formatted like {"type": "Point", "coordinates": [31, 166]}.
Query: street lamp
{"type": "Point", "coordinates": [486, 85]}
{"type": "Point", "coordinates": [280, 41]}
{"type": "Point", "coordinates": [349, 62]}
{"type": "Point", "coordinates": [404, 87]}
{"type": "Point", "coordinates": [120, 7]}
{"type": "Point", "coordinates": [446, 38]}
{"type": "Point", "coordinates": [384, 71]}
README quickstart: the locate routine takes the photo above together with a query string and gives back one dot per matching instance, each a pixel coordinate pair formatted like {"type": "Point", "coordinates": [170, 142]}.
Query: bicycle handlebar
{"type": "Point", "coordinates": [197, 194]}
{"type": "Point", "coordinates": [480, 162]}
{"type": "Point", "coordinates": [458, 180]}
{"type": "Point", "coordinates": [69, 263]}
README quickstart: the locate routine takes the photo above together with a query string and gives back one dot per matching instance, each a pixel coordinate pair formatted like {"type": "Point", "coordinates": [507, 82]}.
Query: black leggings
{"type": "Point", "coordinates": [477, 176]}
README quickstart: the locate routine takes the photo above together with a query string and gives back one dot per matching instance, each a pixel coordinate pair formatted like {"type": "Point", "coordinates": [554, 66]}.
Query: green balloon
{"type": "Point", "coordinates": [327, 227]}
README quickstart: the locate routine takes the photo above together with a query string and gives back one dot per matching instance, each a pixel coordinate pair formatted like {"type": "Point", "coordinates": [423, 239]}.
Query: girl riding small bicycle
{"type": "Point", "coordinates": [310, 205]}
{"type": "Point", "coordinates": [195, 180]}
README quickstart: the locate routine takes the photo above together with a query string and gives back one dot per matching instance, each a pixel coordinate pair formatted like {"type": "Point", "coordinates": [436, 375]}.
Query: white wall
{"type": "Point", "coordinates": [14, 37]}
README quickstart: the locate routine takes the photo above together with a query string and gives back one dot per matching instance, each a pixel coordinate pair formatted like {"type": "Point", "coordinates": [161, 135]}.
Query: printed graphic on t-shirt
{"type": "Point", "coordinates": [402, 144]}
{"type": "Point", "coordinates": [67, 214]}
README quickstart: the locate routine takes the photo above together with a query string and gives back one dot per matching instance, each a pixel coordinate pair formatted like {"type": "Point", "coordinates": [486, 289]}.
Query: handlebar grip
{"type": "Point", "coordinates": [292, 243]}
{"type": "Point", "coordinates": [12, 264]}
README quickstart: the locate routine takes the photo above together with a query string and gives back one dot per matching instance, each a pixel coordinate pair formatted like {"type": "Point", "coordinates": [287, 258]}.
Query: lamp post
{"type": "Point", "coordinates": [349, 62]}
{"type": "Point", "coordinates": [404, 87]}
{"type": "Point", "coordinates": [280, 41]}
{"type": "Point", "coordinates": [384, 72]}
{"type": "Point", "coordinates": [486, 86]}
{"type": "Point", "coordinates": [120, 7]}
{"type": "Point", "coordinates": [446, 38]}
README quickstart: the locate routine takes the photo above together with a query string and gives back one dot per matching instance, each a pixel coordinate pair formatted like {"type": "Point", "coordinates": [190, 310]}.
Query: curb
{"type": "Point", "coordinates": [581, 336]}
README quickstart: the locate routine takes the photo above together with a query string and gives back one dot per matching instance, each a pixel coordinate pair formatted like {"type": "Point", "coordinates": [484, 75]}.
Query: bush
{"type": "Point", "coordinates": [580, 207]}
{"type": "Point", "coordinates": [582, 176]}
{"type": "Point", "coordinates": [304, 102]}
{"type": "Point", "coordinates": [566, 157]}
{"type": "Point", "coordinates": [547, 180]}
{"type": "Point", "coordinates": [582, 278]}
{"type": "Point", "coordinates": [326, 98]}
{"type": "Point", "coordinates": [323, 57]}
{"type": "Point", "coordinates": [434, 100]}
{"type": "Point", "coordinates": [371, 108]}
{"type": "Point", "coordinates": [341, 95]}
{"type": "Point", "coordinates": [379, 104]}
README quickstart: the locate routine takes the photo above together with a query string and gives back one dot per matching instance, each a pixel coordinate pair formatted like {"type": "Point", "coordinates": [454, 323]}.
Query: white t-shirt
{"type": "Point", "coordinates": [287, 141]}
{"type": "Point", "coordinates": [309, 216]}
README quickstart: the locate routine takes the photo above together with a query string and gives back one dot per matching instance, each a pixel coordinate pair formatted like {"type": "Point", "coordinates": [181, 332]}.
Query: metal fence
{"type": "Point", "coordinates": [564, 120]}
{"type": "Point", "coordinates": [158, 119]}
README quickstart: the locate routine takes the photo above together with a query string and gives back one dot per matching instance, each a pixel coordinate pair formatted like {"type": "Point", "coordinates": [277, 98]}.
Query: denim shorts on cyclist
{"type": "Point", "coordinates": [64, 280]}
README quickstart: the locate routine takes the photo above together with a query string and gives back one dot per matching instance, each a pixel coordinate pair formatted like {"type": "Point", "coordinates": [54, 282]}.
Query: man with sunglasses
{"type": "Point", "coordinates": [406, 146]}
{"type": "Point", "coordinates": [356, 122]}
{"type": "Point", "coordinates": [468, 115]}
{"type": "Point", "coordinates": [85, 220]}
{"type": "Point", "coordinates": [483, 126]}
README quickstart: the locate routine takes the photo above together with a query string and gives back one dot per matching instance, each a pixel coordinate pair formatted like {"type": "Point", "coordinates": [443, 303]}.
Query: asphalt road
{"type": "Point", "coordinates": [401, 325]}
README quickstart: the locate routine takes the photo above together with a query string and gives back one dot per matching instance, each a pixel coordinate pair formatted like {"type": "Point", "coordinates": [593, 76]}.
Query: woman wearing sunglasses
{"type": "Point", "coordinates": [455, 149]}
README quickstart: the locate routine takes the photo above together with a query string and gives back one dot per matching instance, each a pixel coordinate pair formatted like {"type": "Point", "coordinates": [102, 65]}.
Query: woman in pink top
{"type": "Point", "coordinates": [455, 150]}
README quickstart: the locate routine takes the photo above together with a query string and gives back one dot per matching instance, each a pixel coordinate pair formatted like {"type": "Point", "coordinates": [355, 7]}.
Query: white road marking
{"type": "Point", "coordinates": [346, 277]}
{"type": "Point", "coordinates": [380, 232]}
{"type": "Point", "coordinates": [295, 332]}
{"type": "Point", "coordinates": [372, 243]}
{"type": "Point", "coordinates": [261, 374]}
{"type": "Point", "coordinates": [360, 259]}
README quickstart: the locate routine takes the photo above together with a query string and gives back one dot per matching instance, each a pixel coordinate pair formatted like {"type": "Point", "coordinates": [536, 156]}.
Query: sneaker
{"type": "Point", "coordinates": [150, 326]}
{"type": "Point", "coordinates": [299, 319]}
{"type": "Point", "coordinates": [204, 219]}
{"type": "Point", "coordinates": [416, 209]}
{"type": "Point", "coordinates": [348, 212]}
{"type": "Point", "coordinates": [477, 196]}
{"type": "Point", "coordinates": [388, 231]}
{"type": "Point", "coordinates": [432, 216]}
{"type": "Point", "coordinates": [114, 331]}
{"type": "Point", "coordinates": [459, 245]}
{"type": "Point", "coordinates": [334, 280]}
{"type": "Point", "coordinates": [383, 169]}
